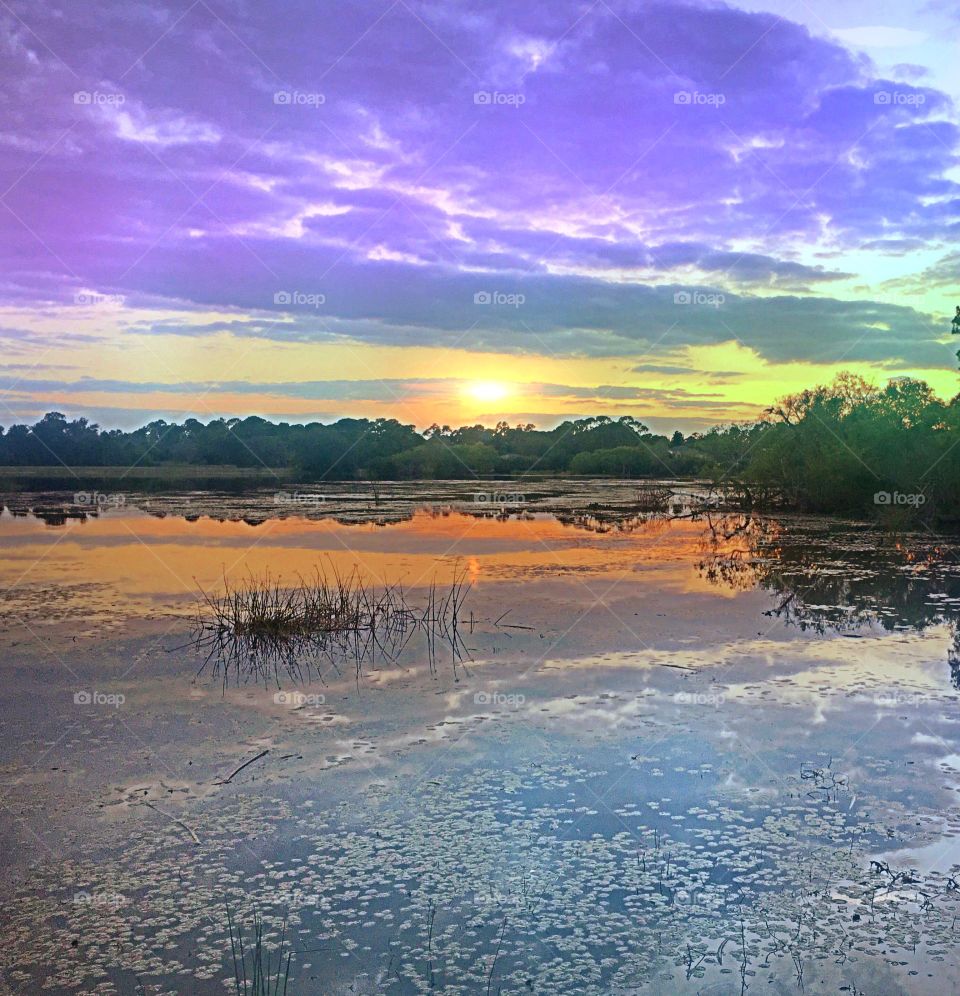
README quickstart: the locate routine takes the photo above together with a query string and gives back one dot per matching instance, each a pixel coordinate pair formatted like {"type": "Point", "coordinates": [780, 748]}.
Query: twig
{"type": "Point", "coordinates": [170, 816]}
{"type": "Point", "coordinates": [226, 781]}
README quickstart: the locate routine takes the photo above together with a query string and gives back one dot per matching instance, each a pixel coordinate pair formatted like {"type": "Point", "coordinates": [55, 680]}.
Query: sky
{"type": "Point", "coordinates": [459, 212]}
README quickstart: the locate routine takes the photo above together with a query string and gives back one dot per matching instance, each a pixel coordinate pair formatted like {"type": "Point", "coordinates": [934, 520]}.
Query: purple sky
{"type": "Point", "coordinates": [635, 187]}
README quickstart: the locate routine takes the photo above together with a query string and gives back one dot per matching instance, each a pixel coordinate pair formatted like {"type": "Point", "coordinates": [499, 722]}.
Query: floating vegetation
{"type": "Point", "coordinates": [261, 627]}
{"type": "Point", "coordinates": [502, 881]}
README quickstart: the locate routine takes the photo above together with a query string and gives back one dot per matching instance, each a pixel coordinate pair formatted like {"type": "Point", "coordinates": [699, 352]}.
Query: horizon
{"type": "Point", "coordinates": [676, 210]}
{"type": "Point", "coordinates": [654, 425]}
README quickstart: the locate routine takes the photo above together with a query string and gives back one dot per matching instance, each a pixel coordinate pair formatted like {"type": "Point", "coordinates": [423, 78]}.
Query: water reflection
{"type": "Point", "coordinates": [827, 576]}
{"type": "Point", "coordinates": [647, 827]}
{"type": "Point", "coordinates": [839, 578]}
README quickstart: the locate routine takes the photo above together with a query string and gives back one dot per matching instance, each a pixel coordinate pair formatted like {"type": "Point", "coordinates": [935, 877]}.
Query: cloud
{"type": "Point", "coordinates": [910, 71]}
{"type": "Point", "coordinates": [134, 123]}
{"type": "Point", "coordinates": [567, 315]}
{"type": "Point", "coordinates": [596, 161]}
{"type": "Point", "coordinates": [881, 36]}
{"type": "Point", "coordinates": [329, 390]}
{"type": "Point", "coordinates": [944, 273]}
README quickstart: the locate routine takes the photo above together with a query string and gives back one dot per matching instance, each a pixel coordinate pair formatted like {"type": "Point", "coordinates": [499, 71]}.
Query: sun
{"type": "Point", "coordinates": [486, 390]}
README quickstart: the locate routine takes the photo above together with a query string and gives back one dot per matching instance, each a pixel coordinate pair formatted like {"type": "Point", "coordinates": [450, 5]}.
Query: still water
{"type": "Point", "coordinates": [675, 751]}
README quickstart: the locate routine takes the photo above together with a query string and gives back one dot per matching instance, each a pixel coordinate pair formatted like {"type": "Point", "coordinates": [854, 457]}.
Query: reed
{"type": "Point", "coordinates": [263, 625]}
{"type": "Point", "coordinates": [258, 968]}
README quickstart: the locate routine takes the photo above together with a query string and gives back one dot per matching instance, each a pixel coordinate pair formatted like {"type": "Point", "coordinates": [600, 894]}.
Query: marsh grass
{"type": "Point", "coordinates": [265, 608]}
{"type": "Point", "coordinates": [258, 968]}
{"type": "Point", "coordinates": [263, 626]}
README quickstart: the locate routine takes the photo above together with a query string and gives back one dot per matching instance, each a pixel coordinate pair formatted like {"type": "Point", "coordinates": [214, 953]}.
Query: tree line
{"type": "Point", "coordinates": [843, 447]}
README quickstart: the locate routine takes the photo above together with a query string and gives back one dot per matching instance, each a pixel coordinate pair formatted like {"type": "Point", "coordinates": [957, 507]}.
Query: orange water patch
{"type": "Point", "coordinates": [143, 558]}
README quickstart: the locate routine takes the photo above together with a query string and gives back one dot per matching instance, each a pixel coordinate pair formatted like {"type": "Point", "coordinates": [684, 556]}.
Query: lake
{"type": "Point", "coordinates": [682, 750]}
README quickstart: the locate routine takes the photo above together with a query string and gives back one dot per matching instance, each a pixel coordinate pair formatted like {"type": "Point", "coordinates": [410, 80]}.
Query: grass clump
{"type": "Point", "coordinates": [261, 623]}
{"type": "Point", "coordinates": [265, 608]}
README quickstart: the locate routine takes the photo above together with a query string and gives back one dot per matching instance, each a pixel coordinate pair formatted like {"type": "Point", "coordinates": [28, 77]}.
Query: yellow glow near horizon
{"type": "Point", "coordinates": [690, 386]}
{"type": "Point", "coordinates": [487, 390]}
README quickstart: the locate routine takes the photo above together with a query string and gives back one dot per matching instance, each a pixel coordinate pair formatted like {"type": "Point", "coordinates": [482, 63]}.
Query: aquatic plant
{"type": "Point", "coordinates": [264, 607]}
{"type": "Point", "coordinates": [260, 625]}
{"type": "Point", "coordinates": [254, 971]}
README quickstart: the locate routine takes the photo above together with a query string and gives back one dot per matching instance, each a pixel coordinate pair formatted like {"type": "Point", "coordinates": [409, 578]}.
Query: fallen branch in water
{"type": "Point", "coordinates": [173, 818]}
{"type": "Point", "coordinates": [227, 780]}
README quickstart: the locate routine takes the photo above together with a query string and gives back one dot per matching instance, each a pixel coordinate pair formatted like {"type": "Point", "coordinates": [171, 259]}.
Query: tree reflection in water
{"type": "Point", "coordinates": [838, 577]}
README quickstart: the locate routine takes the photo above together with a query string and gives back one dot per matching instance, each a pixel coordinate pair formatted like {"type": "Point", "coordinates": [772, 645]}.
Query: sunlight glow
{"type": "Point", "coordinates": [487, 390]}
